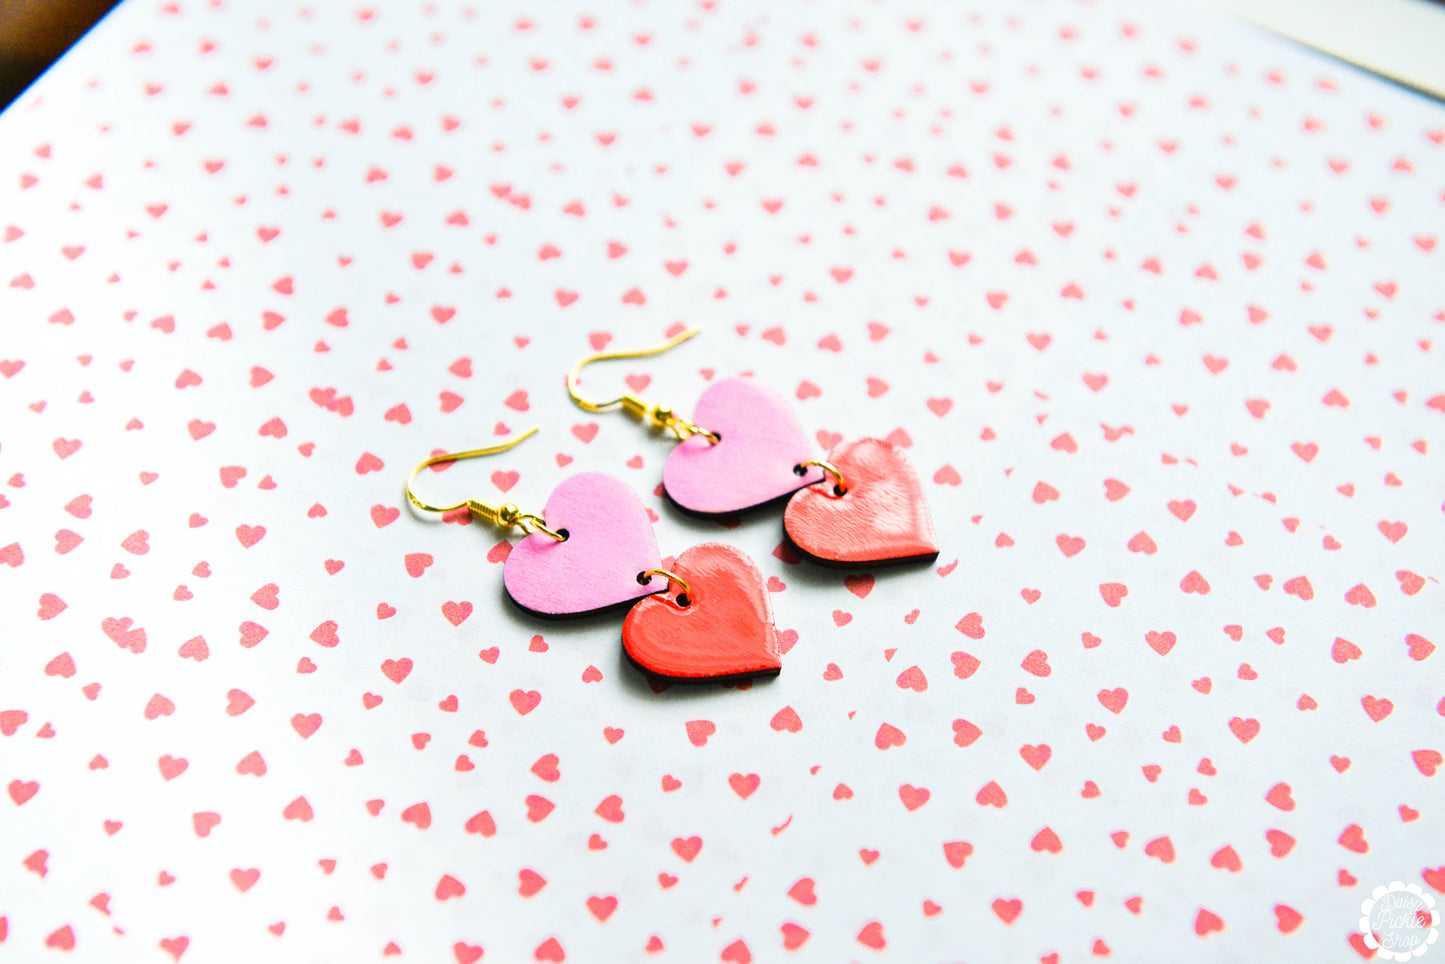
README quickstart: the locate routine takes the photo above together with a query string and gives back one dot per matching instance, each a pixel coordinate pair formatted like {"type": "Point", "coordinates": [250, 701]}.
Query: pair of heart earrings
{"type": "Point", "coordinates": [593, 548]}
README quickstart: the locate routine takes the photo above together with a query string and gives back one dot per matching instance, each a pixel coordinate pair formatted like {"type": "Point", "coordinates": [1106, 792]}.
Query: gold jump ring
{"type": "Point", "coordinates": [840, 485]}
{"type": "Point", "coordinates": [686, 593]}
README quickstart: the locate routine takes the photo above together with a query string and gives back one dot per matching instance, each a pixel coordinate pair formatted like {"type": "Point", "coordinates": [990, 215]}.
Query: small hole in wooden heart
{"type": "Point", "coordinates": [682, 601]}
{"type": "Point", "coordinates": [564, 534]}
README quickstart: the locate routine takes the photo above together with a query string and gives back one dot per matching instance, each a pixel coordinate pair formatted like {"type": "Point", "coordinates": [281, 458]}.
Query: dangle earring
{"type": "Point", "coordinates": [592, 550]}
{"type": "Point", "coordinates": [744, 448]}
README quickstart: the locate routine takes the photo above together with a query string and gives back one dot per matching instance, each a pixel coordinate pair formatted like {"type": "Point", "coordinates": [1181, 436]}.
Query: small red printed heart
{"type": "Point", "coordinates": [752, 464]}
{"type": "Point", "coordinates": [882, 516]}
{"type": "Point", "coordinates": [725, 630]}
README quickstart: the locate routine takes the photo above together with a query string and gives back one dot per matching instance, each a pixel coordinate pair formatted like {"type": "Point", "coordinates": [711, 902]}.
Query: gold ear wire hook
{"type": "Point", "coordinates": [506, 515]}
{"type": "Point", "coordinates": [661, 415]}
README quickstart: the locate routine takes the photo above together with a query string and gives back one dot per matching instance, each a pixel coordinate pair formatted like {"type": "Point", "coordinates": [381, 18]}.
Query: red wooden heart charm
{"type": "Point", "coordinates": [725, 629]}
{"type": "Point", "coordinates": [881, 517]}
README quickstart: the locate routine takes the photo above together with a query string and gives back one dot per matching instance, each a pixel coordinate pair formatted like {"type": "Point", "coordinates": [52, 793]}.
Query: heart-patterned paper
{"type": "Point", "coordinates": [761, 441]}
{"type": "Point", "coordinates": [1155, 297]}
{"type": "Point", "coordinates": [882, 517]}
{"type": "Point", "coordinates": [609, 542]}
{"type": "Point", "coordinates": [723, 631]}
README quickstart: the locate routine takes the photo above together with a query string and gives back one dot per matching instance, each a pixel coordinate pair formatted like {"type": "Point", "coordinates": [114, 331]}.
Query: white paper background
{"type": "Point", "coordinates": [1095, 137]}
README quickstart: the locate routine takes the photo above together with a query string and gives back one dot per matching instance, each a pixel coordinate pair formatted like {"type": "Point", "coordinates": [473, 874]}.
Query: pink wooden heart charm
{"type": "Point", "coordinates": [761, 441]}
{"type": "Point", "coordinates": [724, 631]}
{"type": "Point", "coordinates": [882, 517]}
{"type": "Point", "coordinates": [609, 543]}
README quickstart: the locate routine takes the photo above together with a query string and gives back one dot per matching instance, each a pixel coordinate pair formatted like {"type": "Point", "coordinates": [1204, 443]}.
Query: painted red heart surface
{"type": "Point", "coordinates": [761, 442]}
{"type": "Point", "coordinates": [721, 628]}
{"type": "Point", "coordinates": [609, 540]}
{"type": "Point", "coordinates": [881, 517]}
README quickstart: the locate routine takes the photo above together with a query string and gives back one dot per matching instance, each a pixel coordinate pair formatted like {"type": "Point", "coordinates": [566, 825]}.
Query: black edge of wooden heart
{"type": "Point", "coordinates": [761, 674]}
{"type": "Point", "coordinates": [731, 513]}
{"type": "Point", "coordinates": [621, 606]}
{"type": "Point", "coordinates": [922, 558]}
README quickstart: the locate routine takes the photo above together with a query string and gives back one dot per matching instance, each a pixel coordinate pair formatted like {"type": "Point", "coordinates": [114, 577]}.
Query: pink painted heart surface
{"type": "Point", "coordinates": [761, 441]}
{"type": "Point", "coordinates": [882, 517]}
{"type": "Point", "coordinates": [725, 630]}
{"type": "Point", "coordinates": [609, 541]}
